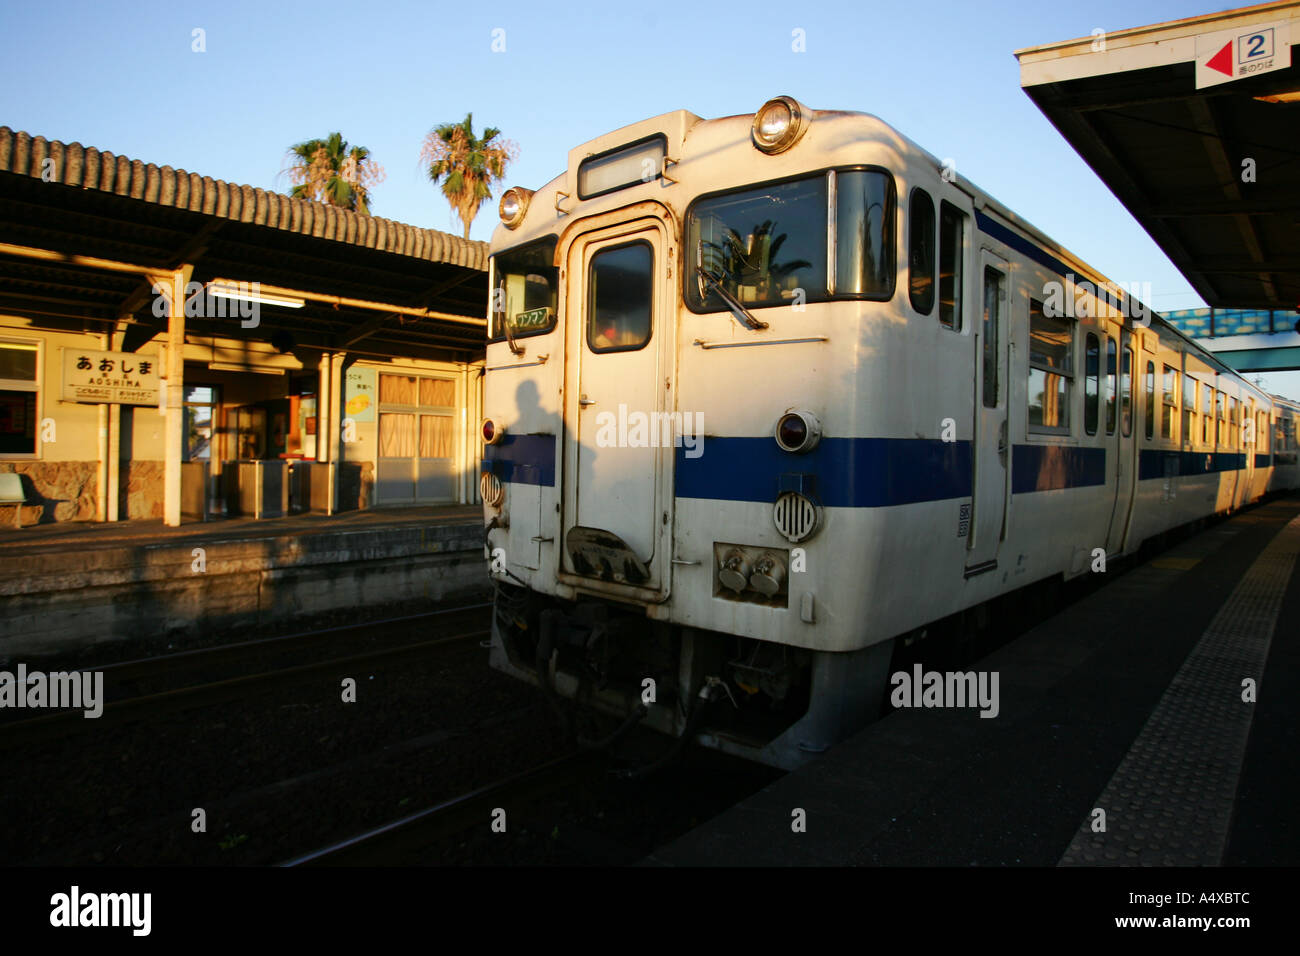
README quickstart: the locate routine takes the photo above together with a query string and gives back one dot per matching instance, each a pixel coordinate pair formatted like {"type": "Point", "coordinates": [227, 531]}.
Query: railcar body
{"type": "Point", "coordinates": [768, 392]}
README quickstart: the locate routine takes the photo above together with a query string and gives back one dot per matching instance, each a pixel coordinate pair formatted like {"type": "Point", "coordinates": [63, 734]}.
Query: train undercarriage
{"type": "Point", "coordinates": [755, 699]}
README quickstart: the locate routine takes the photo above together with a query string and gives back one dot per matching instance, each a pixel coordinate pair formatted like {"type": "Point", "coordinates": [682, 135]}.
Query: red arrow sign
{"type": "Point", "coordinates": [1222, 61]}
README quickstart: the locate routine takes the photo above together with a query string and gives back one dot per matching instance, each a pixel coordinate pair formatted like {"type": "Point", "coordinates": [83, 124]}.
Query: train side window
{"type": "Point", "coordinates": [920, 261]}
{"type": "Point", "coordinates": [1207, 416]}
{"type": "Point", "coordinates": [1221, 430]}
{"type": "Point", "coordinates": [620, 284]}
{"type": "Point", "coordinates": [1110, 385]}
{"type": "Point", "coordinates": [1126, 391]}
{"type": "Point", "coordinates": [1189, 409]}
{"type": "Point", "coordinates": [1051, 370]}
{"type": "Point", "coordinates": [993, 299]}
{"type": "Point", "coordinates": [1150, 400]}
{"type": "Point", "coordinates": [1169, 403]}
{"type": "Point", "coordinates": [1234, 431]}
{"type": "Point", "coordinates": [1091, 383]}
{"type": "Point", "coordinates": [952, 243]}
{"type": "Point", "coordinates": [1261, 433]}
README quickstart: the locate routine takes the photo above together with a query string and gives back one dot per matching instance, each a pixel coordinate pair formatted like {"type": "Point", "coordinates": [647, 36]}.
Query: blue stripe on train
{"type": "Point", "coordinates": [522, 459]}
{"type": "Point", "coordinates": [863, 472]}
{"type": "Point", "coordinates": [1052, 467]}
{"type": "Point", "coordinates": [839, 472]}
{"type": "Point", "coordinates": [1161, 463]}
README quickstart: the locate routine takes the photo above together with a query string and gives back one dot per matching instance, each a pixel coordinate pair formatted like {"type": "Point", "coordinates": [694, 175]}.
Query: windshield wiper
{"type": "Point", "coordinates": [742, 314]}
{"type": "Point", "coordinates": [505, 327]}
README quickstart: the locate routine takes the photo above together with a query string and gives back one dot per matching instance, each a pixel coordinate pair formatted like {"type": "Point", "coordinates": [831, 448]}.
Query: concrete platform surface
{"type": "Point", "coordinates": [66, 587]}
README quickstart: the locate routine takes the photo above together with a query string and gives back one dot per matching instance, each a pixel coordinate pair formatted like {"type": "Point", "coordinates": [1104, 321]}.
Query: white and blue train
{"type": "Point", "coordinates": [768, 393]}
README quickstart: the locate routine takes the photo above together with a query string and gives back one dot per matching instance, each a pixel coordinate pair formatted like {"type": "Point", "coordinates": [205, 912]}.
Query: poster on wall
{"type": "Point", "coordinates": [359, 394]}
{"type": "Point", "coordinates": [124, 378]}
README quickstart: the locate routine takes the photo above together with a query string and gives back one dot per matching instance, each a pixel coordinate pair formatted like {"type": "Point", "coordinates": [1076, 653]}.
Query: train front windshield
{"type": "Point", "coordinates": [767, 245]}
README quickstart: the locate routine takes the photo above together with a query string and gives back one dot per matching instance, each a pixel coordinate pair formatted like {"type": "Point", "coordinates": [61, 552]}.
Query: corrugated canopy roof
{"type": "Point", "coordinates": [93, 203]}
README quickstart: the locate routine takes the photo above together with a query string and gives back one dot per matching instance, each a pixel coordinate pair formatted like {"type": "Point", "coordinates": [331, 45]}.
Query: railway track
{"type": "Point", "coordinates": [401, 840]}
{"type": "Point", "coordinates": [467, 621]}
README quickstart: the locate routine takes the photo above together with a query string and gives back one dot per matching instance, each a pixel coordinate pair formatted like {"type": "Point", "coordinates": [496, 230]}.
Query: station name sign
{"type": "Point", "coordinates": [122, 378]}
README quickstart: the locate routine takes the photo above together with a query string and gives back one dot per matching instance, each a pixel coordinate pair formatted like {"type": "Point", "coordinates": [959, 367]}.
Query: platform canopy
{"type": "Point", "coordinates": [83, 234]}
{"type": "Point", "coordinates": [1195, 127]}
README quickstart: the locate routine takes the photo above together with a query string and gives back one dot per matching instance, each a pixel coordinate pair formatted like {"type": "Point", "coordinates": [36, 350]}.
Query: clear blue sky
{"type": "Point", "coordinates": [122, 77]}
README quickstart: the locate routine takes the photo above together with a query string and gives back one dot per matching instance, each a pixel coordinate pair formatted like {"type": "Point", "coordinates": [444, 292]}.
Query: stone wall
{"type": "Point", "coordinates": [56, 491]}
{"type": "Point", "coordinates": [356, 485]}
{"type": "Point", "coordinates": [140, 489]}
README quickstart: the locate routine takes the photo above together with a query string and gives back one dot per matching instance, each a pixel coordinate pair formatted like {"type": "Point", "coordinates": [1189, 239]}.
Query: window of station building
{"type": "Point", "coordinates": [620, 289]}
{"type": "Point", "coordinates": [1091, 383]}
{"type": "Point", "coordinates": [1051, 370]}
{"type": "Point", "coordinates": [19, 396]}
{"type": "Point", "coordinates": [1126, 391]}
{"type": "Point", "coordinates": [952, 249]}
{"type": "Point", "coordinates": [1110, 385]}
{"type": "Point", "coordinates": [920, 260]}
{"type": "Point", "coordinates": [1169, 403]}
{"type": "Point", "coordinates": [1189, 409]}
{"type": "Point", "coordinates": [1150, 400]}
{"type": "Point", "coordinates": [201, 404]}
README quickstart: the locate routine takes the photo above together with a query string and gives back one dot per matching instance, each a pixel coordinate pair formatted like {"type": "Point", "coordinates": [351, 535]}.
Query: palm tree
{"type": "Point", "coordinates": [327, 170]}
{"type": "Point", "coordinates": [466, 165]}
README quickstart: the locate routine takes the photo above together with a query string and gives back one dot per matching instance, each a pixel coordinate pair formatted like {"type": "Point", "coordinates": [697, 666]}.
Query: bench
{"type": "Point", "coordinates": [11, 493]}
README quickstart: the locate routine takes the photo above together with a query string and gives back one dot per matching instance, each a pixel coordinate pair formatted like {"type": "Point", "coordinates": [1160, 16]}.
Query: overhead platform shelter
{"type": "Point", "coordinates": [327, 359]}
{"type": "Point", "coordinates": [1195, 127]}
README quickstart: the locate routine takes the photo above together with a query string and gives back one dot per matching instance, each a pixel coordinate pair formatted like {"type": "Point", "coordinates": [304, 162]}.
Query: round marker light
{"type": "Point", "coordinates": [778, 124]}
{"type": "Point", "coordinates": [513, 206]}
{"type": "Point", "coordinates": [492, 432]}
{"type": "Point", "coordinates": [798, 432]}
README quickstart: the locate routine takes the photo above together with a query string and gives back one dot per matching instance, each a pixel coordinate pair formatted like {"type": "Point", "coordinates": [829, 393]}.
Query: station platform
{"type": "Point", "coordinates": [66, 586]}
{"type": "Point", "coordinates": [1128, 702]}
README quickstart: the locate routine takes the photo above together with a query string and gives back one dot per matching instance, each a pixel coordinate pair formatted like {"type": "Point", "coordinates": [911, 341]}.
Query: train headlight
{"type": "Point", "coordinates": [778, 124]}
{"type": "Point", "coordinates": [796, 516]}
{"type": "Point", "coordinates": [798, 432]}
{"type": "Point", "coordinates": [491, 490]}
{"type": "Point", "coordinates": [492, 432]}
{"type": "Point", "coordinates": [513, 206]}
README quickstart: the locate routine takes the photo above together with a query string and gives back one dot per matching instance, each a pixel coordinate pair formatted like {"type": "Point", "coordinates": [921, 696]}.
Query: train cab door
{"type": "Point", "coordinates": [617, 468]}
{"type": "Point", "coordinates": [1121, 453]}
{"type": "Point", "coordinates": [992, 441]}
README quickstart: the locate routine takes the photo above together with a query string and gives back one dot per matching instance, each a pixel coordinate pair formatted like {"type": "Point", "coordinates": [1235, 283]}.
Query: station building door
{"type": "Point", "coordinates": [417, 430]}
